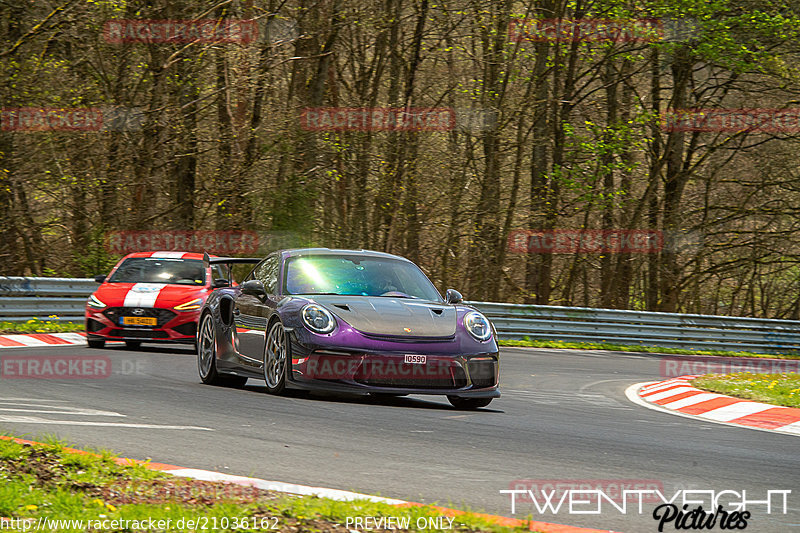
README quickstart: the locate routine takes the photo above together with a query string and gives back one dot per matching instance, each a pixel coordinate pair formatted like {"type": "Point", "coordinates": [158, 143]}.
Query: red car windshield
{"type": "Point", "coordinates": [160, 270]}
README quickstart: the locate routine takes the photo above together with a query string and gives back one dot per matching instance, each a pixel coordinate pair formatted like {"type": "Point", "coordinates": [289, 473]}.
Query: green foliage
{"type": "Point", "coordinates": [778, 389]}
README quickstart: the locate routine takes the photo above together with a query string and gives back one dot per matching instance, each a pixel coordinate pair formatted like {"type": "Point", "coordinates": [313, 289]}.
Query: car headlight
{"type": "Point", "coordinates": [478, 325]}
{"type": "Point", "coordinates": [318, 319]}
{"type": "Point", "coordinates": [94, 302]}
{"type": "Point", "coordinates": [191, 305]}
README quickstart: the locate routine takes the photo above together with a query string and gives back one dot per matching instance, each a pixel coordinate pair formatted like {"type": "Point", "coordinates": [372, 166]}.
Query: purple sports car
{"type": "Point", "coordinates": [349, 321]}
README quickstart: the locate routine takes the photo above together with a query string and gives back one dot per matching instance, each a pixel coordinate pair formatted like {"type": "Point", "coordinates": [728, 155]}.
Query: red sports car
{"type": "Point", "coordinates": [151, 296]}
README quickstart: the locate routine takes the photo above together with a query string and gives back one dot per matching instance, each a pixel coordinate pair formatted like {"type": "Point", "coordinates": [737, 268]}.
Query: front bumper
{"type": "Point", "coordinates": [466, 375]}
{"type": "Point", "coordinates": [181, 328]}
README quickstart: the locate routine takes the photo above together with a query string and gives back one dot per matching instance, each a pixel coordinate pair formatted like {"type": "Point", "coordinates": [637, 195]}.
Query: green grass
{"type": "Point", "coordinates": [48, 481]}
{"type": "Point", "coordinates": [38, 325]}
{"type": "Point", "coordinates": [526, 342]}
{"type": "Point", "coordinates": [778, 389]}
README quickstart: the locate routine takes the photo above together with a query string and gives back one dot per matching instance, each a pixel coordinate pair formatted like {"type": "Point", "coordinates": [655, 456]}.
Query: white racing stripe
{"type": "Point", "coordinates": [143, 295]}
{"type": "Point", "coordinates": [168, 255]}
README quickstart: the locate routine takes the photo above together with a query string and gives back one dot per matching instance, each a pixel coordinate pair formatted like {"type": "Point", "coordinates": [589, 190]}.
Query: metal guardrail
{"type": "Point", "coordinates": [669, 330]}
{"type": "Point", "coordinates": [24, 298]}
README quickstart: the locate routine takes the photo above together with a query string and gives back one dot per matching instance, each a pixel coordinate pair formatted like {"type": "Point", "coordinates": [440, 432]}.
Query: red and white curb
{"type": "Point", "coordinates": [332, 494]}
{"type": "Point", "coordinates": [676, 396]}
{"type": "Point", "coordinates": [29, 340]}
{"type": "Point", "coordinates": [39, 340]}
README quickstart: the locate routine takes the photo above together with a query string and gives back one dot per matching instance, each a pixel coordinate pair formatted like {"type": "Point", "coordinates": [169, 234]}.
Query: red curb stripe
{"type": "Point", "coordinates": [708, 405]}
{"type": "Point", "coordinates": [5, 341]}
{"type": "Point", "coordinates": [679, 396]}
{"type": "Point", "coordinates": [775, 417]}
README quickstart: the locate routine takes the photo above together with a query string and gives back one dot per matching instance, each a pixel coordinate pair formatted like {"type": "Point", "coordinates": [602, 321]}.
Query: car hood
{"type": "Point", "coordinates": [401, 317]}
{"type": "Point", "coordinates": [147, 294]}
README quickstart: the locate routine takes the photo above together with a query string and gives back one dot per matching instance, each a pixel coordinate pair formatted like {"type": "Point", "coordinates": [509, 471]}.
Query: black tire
{"type": "Point", "coordinates": [207, 357]}
{"type": "Point", "coordinates": [133, 345]}
{"type": "Point", "coordinates": [460, 402]}
{"type": "Point", "coordinates": [95, 343]}
{"type": "Point", "coordinates": [277, 358]}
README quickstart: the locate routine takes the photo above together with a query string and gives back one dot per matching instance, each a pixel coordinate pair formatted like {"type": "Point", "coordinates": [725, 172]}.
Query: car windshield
{"type": "Point", "coordinates": [160, 270]}
{"type": "Point", "coordinates": [356, 275]}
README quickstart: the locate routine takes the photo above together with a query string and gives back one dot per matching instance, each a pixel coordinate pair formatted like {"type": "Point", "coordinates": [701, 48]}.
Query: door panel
{"type": "Point", "coordinates": [253, 312]}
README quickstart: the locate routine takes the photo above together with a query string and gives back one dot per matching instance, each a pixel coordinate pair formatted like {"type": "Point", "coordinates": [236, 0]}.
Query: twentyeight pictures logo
{"type": "Point", "coordinates": [678, 510]}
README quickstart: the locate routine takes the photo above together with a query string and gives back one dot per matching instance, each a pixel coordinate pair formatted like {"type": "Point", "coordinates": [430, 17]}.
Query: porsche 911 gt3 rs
{"type": "Point", "coordinates": [349, 321]}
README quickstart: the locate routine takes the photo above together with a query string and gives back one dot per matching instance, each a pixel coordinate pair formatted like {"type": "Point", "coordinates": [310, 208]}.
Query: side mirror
{"type": "Point", "coordinates": [100, 278]}
{"type": "Point", "coordinates": [219, 283]}
{"type": "Point", "coordinates": [253, 287]}
{"type": "Point", "coordinates": [452, 296]}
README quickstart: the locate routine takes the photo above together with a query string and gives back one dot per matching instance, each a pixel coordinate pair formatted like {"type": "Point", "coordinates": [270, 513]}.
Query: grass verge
{"type": "Point", "coordinates": [526, 342]}
{"type": "Point", "coordinates": [777, 389]}
{"type": "Point", "coordinates": [42, 484]}
{"type": "Point", "coordinates": [38, 325]}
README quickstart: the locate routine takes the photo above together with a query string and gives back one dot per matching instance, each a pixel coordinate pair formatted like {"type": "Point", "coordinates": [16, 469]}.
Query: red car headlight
{"type": "Point", "coordinates": [191, 305]}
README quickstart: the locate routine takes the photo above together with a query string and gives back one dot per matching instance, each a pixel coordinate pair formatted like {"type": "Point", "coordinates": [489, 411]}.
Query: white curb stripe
{"type": "Point", "coordinates": [74, 338]}
{"type": "Point", "coordinates": [736, 410]}
{"type": "Point", "coordinates": [794, 427]}
{"type": "Point", "coordinates": [667, 394]}
{"type": "Point", "coordinates": [339, 495]}
{"type": "Point", "coordinates": [662, 384]}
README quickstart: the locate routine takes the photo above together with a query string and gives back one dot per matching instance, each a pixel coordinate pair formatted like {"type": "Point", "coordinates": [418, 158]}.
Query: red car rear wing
{"type": "Point", "coordinates": [229, 261]}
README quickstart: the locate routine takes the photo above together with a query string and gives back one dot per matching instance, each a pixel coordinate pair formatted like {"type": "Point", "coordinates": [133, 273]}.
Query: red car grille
{"type": "Point", "coordinates": [162, 315]}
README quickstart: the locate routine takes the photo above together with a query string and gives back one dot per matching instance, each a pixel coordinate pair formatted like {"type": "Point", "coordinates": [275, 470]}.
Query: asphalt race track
{"type": "Point", "coordinates": [563, 416]}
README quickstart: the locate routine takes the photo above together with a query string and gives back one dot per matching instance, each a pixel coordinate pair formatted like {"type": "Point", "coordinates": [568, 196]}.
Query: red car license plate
{"type": "Point", "coordinates": [416, 359]}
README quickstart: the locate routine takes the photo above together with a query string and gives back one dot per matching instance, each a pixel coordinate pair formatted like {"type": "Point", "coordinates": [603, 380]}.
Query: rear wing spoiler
{"type": "Point", "coordinates": [229, 261]}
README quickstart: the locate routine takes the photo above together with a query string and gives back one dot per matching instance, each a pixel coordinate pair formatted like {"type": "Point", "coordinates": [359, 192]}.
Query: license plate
{"type": "Point", "coordinates": [416, 359]}
{"type": "Point", "coordinates": [139, 321]}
